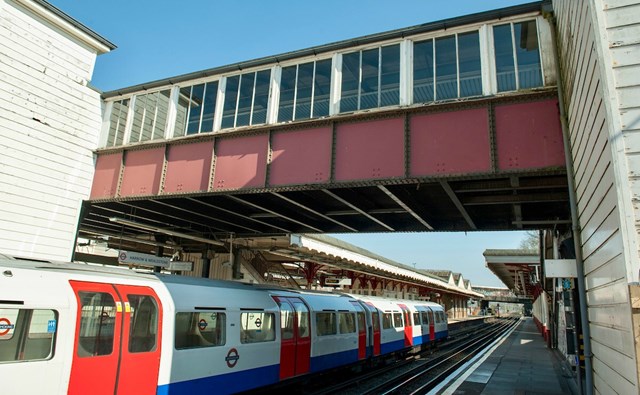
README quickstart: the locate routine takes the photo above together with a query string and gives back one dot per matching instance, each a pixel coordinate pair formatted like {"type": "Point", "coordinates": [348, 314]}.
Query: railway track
{"type": "Point", "coordinates": [420, 373]}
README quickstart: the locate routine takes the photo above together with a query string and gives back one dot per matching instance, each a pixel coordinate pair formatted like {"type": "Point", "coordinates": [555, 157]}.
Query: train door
{"type": "Point", "coordinates": [362, 331]}
{"type": "Point", "coordinates": [117, 342]}
{"type": "Point", "coordinates": [295, 348]}
{"type": "Point", "coordinates": [408, 328]}
{"type": "Point", "coordinates": [432, 328]}
{"type": "Point", "coordinates": [375, 327]}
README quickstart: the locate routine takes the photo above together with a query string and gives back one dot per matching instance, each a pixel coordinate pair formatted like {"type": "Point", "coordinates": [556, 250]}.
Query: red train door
{"type": "Point", "coordinates": [117, 342]}
{"type": "Point", "coordinates": [295, 348]}
{"type": "Point", "coordinates": [375, 327]}
{"type": "Point", "coordinates": [432, 328]}
{"type": "Point", "coordinates": [408, 328]}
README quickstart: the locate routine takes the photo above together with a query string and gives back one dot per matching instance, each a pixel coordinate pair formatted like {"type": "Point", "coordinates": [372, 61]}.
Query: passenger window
{"type": "Point", "coordinates": [143, 323]}
{"type": "Point", "coordinates": [27, 335]}
{"type": "Point", "coordinates": [303, 319]}
{"type": "Point", "coordinates": [347, 322]}
{"type": "Point", "coordinates": [286, 321]}
{"type": "Point", "coordinates": [97, 324]}
{"type": "Point", "coordinates": [326, 324]}
{"type": "Point", "coordinates": [416, 318]}
{"type": "Point", "coordinates": [397, 320]}
{"type": "Point", "coordinates": [257, 327]}
{"type": "Point", "coordinates": [386, 320]}
{"type": "Point", "coordinates": [425, 318]}
{"type": "Point", "coordinates": [200, 329]}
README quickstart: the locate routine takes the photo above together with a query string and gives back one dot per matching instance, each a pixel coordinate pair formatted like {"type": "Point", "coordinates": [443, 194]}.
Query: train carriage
{"type": "Point", "coordinates": [103, 330]}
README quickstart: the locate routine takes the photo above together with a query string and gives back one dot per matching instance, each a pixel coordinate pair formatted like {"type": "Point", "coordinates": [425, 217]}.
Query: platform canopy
{"type": "Point", "coordinates": [517, 269]}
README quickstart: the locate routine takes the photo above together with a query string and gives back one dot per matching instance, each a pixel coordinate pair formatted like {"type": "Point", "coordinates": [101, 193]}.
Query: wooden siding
{"type": "Point", "coordinates": [49, 125]}
{"type": "Point", "coordinates": [601, 176]}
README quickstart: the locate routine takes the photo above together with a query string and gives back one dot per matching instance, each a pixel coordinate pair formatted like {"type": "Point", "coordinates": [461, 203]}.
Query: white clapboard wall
{"type": "Point", "coordinates": [592, 33]}
{"type": "Point", "coordinates": [49, 125]}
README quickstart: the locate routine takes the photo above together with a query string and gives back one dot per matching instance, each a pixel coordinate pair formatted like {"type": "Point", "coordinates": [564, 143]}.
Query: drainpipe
{"type": "Point", "coordinates": [575, 226]}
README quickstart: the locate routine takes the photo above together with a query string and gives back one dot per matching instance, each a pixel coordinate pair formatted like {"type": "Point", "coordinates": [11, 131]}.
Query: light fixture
{"type": "Point", "coordinates": [168, 232]}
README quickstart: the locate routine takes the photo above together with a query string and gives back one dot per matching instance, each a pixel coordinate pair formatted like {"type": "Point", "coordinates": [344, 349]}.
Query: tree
{"type": "Point", "coordinates": [531, 241]}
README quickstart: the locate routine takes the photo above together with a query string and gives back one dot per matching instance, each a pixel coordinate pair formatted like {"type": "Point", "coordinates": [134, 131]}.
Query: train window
{"type": "Point", "coordinates": [286, 321]}
{"type": "Point", "coordinates": [397, 320]}
{"type": "Point", "coordinates": [27, 335]}
{"type": "Point", "coordinates": [425, 318]}
{"type": "Point", "coordinates": [386, 320]}
{"type": "Point", "coordinates": [143, 323]}
{"type": "Point", "coordinates": [326, 324]}
{"type": "Point", "coordinates": [376, 321]}
{"type": "Point", "coordinates": [361, 322]}
{"type": "Point", "coordinates": [200, 329]}
{"type": "Point", "coordinates": [303, 319]}
{"type": "Point", "coordinates": [416, 318]}
{"type": "Point", "coordinates": [97, 324]}
{"type": "Point", "coordinates": [257, 327]}
{"type": "Point", "coordinates": [347, 322]}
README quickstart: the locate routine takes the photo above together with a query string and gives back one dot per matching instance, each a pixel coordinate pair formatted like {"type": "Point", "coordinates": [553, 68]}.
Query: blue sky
{"type": "Point", "coordinates": [162, 38]}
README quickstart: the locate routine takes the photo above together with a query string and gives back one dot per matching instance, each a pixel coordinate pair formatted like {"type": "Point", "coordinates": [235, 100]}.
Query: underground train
{"type": "Point", "coordinates": [84, 329]}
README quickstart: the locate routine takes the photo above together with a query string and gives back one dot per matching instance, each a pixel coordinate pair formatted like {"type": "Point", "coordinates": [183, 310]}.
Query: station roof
{"type": "Point", "coordinates": [515, 268]}
{"type": "Point", "coordinates": [329, 251]}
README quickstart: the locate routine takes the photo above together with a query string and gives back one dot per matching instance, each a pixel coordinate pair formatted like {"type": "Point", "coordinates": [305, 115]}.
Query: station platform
{"type": "Point", "coordinates": [520, 364]}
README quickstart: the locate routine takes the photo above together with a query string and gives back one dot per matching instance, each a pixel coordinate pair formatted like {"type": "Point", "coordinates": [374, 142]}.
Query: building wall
{"type": "Point", "coordinates": [602, 157]}
{"type": "Point", "coordinates": [49, 124]}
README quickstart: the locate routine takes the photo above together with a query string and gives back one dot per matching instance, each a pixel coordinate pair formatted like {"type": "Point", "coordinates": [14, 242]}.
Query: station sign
{"type": "Point", "coordinates": [560, 268]}
{"type": "Point", "coordinates": [138, 258]}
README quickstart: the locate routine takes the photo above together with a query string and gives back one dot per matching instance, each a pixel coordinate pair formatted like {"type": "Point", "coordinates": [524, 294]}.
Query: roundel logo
{"type": "Point", "coordinates": [122, 256]}
{"type": "Point", "coordinates": [232, 357]}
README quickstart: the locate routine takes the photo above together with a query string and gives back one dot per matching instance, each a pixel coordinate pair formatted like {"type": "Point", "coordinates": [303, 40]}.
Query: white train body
{"type": "Point", "coordinates": [78, 329]}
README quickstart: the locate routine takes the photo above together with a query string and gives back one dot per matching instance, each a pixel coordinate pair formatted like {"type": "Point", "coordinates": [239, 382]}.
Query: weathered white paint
{"type": "Point", "coordinates": [50, 121]}
{"type": "Point", "coordinates": [597, 42]}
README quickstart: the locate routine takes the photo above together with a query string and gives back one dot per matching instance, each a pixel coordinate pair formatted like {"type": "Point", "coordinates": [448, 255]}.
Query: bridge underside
{"type": "Point", "coordinates": [490, 164]}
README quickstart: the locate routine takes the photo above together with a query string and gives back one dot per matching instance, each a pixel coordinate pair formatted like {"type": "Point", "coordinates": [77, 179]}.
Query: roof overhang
{"type": "Point", "coordinates": [514, 268]}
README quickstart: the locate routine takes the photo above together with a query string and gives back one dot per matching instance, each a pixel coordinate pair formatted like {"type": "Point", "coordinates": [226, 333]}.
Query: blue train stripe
{"type": "Point", "coordinates": [333, 360]}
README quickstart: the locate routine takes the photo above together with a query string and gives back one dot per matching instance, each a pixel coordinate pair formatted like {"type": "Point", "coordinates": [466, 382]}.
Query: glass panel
{"type": "Point", "coordinates": [347, 322]}
{"type": "Point", "coordinates": [257, 327]}
{"type": "Point", "coordinates": [386, 320]}
{"type": "Point", "coordinates": [416, 318]}
{"type": "Point", "coordinates": [286, 321]}
{"type": "Point", "coordinates": [303, 320]}
{"type": "Point", "coordinates": [200, 329]}
{"type": "Point", "coordinates": [362, 323]}
{"type": "Point", "coordinates": [97, 324]}
{"type": "Point", "coordinates": [245, 98]}
{"type": "Point", "coordinates": [261, 100]}
{"type": "Point", "coordinates": [423, 72]}
{"type": "Point", "coordinates": [209, 108]}
{"type": "Point", "coordinates": [505, 69]}
{"type": "Point", "coordinates": [138, 115]}
{"type": "Point", "coordinates": [469, 64]}
{"type": "Point", "coordinates": [149, 116]}
{"type": "Point", "coordinates": [303, 93]}
{"type": "Point", "coordinates": [287, 92]}
{"type": "Point", "coordinates": [446, 68]}
{"type": "Point", "coordinates": [230, 101]}
{"type": "Point", "coordinates": [350, 78]}
{"type": "Point", "coordinates": [182, 110]}
{"type": "Point", "coordinates": [195, 110]}
{"type": "Point", "coordinates": [326, 324]}
{"type": "Point", "coordinates": [369, 85]}
{"type": "Point", "coordinates": [390, 76]}
{"type": "Point", "coordinates": [528, 55]}
{"type": "Point", "coordinates": [322, 89]}
{"type": "Point", "coordinates": [118, 122]}
{"type": "Point", "coordinates": [376, 321]}
{"type": "Point", "coordinates": [30, 334]}
{"type": "Point", "coordinates": [425, 318]}
{"type": "Point", "coordinates": [397, 320]}
{"type": "Point", "coordinates": [162, 107]}
{"type": "Point", "coordinates": [143, 323]}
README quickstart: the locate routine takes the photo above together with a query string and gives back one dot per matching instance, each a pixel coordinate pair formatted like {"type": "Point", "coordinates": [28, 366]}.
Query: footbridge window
{"type": "Point", "coordinates": [150, 116]}
{"type": "Point", "coordinates": [196, 108]}
{"type": "Point", "coordinates": [370, 78]}
{"type": "Point", "coordinates": [246, 98]}
{"type": "Point", "coordinates": [517, 56]}
{"type": "Point", "coordinates": [304, 91]}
